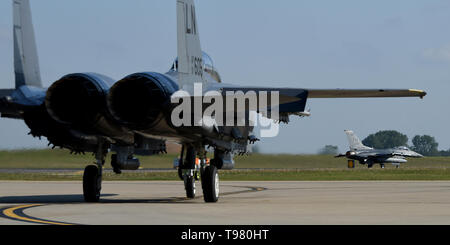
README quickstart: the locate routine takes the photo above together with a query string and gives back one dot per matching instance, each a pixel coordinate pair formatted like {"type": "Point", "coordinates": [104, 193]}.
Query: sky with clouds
{"type": "Point", "coordinates": [289, 43]}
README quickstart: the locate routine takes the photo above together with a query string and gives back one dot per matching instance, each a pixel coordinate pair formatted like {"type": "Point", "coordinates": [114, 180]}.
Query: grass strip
{"type": "Point", "coordinates": [257, 175]}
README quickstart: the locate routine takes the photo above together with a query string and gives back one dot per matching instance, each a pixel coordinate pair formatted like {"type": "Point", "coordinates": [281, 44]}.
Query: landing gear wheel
{"type": "Point", "coordinates": [91, 184]}
{"type": "Point", "coordinates": [115, 165]}
{"type": "Point", "coordinates": [189, 185]}
{"type": "Point", "coordinates": [210, 184]}
{"type": "Point", "coordinates": [180, 173]}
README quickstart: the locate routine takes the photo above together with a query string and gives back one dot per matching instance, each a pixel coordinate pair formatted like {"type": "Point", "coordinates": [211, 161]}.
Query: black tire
{"type": "Point", "coordinates": [210, 184]}
{"type": "Point", "coordinates": [91, 184]}
{"type": "Point", "coordinates": [180, 173]}
{"type": "Point", "coordinates": [114, 164]}
{"type": "Point", "coordinates": [189, 185]}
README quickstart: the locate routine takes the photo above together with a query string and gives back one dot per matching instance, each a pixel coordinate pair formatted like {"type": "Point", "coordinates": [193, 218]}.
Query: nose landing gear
{"type": "Point", "coordinates": [192, 169]}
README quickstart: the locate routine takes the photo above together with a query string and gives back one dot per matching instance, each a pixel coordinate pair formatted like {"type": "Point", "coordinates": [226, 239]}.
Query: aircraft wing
{"type": "Point", "coordinates": [364, 93]}
{"type": "Point", "coordinates": [5, 92]}
{"type": "Point", "coordinates": [292, 101]}
{"type": "Point", "coordinates": [5, 103]}
{"type": "Point", "coordinates": [13, 101]}
{"type": "Point", "coordinates": [341, 155]}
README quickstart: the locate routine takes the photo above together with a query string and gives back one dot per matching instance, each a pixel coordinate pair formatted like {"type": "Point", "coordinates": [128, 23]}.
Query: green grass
{"type": "Point", "coordinates": [266, 167]}
{"type": "Point", "coordinates": [258, 175]}
{"type": "Point", "coordinates": [61, 159]}
{"type": "Point", "coordinates": [312, 162]}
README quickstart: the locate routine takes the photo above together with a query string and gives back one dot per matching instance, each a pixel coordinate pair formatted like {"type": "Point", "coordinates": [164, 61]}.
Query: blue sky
{"type": "Point", "coordinates": [289, 43]}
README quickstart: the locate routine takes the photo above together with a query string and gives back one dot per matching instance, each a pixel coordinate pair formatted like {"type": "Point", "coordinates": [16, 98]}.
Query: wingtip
{"type": "Point", "coordinates": [420, 93]}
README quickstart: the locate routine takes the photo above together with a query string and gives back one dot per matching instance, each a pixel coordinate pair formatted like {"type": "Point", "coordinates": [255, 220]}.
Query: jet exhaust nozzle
{"type": "Point", "coordinates": [77, 98]}
{"type": "Point", "coordinates": [139, 100]}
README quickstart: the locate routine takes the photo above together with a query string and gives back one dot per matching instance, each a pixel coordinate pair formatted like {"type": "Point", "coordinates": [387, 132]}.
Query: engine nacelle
{"type": "Point", "coordinates": [139, 100]}
{"type": "Point", "coordinates": [78, 98]}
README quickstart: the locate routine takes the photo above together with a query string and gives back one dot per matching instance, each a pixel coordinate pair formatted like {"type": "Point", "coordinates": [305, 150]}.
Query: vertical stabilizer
{"type": "Point", "coordinates": [190, 56]}
{"type": "Point", "coordinates": [26, 64]}
{"type": "Point", "coordinates": [355, 142]}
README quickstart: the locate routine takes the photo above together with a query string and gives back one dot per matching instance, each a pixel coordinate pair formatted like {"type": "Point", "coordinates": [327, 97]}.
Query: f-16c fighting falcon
{"type": "Point", "coordinates": [370, 156]}
{"type": "Point", "coordinates": [90, 112]}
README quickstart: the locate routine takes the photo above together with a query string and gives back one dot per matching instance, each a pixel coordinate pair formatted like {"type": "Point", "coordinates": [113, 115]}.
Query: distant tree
{"type": "Point", "coordinates": [444, 153]}
{"type": "Point", "coordinates": [425, 145]}
{"type": "Point", "coordinates": [329, 150]}
{"type": "Point", "coordinates": [386, 139]}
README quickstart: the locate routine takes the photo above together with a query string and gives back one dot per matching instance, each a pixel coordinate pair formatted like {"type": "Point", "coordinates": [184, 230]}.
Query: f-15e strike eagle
{"type": "Point", "coordinates": [90, 112]}
{"type": "Point", "coordinates": [370, 156]}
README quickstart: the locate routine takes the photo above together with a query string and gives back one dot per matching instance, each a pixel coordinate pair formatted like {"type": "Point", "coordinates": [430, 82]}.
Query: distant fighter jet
{"type": "Point", "coordinates": [89, 112]}
{"type": "Point", "coordinates": [370, 156]}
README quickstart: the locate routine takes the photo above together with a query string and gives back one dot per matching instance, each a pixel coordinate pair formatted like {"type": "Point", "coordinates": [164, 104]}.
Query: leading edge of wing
{"type": "Point", "coordinates": [364, 93]}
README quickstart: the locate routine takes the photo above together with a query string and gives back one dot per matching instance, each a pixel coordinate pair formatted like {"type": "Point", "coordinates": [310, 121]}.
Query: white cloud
{"type": "Point", "coordinates": [438, 54]}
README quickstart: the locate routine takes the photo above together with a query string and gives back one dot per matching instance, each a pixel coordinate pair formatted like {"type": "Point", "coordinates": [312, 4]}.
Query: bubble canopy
{"type": "Point", "coordinates": [208, 66]}
{"type": "Point", "coordinates": [207, 61]}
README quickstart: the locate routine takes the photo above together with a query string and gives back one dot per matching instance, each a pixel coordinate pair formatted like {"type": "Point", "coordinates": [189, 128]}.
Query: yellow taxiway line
{"type": "Point", "coordinates": [10, 212]}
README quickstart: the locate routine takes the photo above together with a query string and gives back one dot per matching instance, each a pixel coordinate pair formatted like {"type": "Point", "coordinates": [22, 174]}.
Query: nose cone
{"type": "Point", "coordinates": [415, 154]}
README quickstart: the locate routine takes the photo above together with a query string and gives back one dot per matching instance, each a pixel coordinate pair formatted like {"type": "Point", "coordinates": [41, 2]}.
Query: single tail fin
{"type": "Point", "coordinates": [190, 56]}
{"type": "Point", "coordinates": [355, 142]}
{"type": "Point", "coordinates": [26, 63]}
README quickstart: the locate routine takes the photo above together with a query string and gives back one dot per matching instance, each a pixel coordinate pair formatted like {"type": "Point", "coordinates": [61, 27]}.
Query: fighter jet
{"type": "Point", "coordinates": [90, 112]}
{"type": "Point", "coordinates": [370, 156]}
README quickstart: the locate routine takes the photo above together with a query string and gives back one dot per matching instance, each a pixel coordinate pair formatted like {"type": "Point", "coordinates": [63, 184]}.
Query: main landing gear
{"type": "Point", "coordinates": [92, 177]}
{"type": "Point", "coordinates": [92, 183]}
{"type": "Point", "coordinates": [210, 184]}
{"type": "Point", "coordinates": [189, 171]}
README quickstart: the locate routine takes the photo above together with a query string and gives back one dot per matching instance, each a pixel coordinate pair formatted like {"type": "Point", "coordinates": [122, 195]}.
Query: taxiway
{"type": "Point", "coordinates": [267, 203]}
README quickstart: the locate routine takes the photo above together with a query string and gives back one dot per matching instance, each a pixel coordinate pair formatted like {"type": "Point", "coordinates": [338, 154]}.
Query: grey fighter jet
{"type": "Point", "coordinates": [90, 112]}
{"type": "Point", "coordinates": [371, 156]}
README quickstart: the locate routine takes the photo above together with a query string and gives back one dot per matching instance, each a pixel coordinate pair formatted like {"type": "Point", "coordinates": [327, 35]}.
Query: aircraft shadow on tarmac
{"type": "Point", "coordinates": [73, 199]}
{"type": "Point", "coordinates": [78, 198]}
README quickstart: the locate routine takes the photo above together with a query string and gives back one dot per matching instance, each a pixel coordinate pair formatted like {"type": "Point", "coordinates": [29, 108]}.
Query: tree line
{"type": "Point", "coordinates": [423, 144]}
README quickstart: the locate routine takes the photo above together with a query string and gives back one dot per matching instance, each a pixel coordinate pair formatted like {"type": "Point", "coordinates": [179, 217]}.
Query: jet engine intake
{"type": "Point", "coordinates": [350, 153]}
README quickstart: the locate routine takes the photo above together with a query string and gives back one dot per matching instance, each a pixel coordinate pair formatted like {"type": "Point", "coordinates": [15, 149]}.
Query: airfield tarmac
{"type": "Point", "coordinates": [268, 203]}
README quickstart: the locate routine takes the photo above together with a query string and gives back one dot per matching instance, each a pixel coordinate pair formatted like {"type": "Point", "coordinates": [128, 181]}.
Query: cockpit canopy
{"type": "Point", "coordinates": [208, 67]}
{"type": "Point", "coordinates": [403, 148]}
